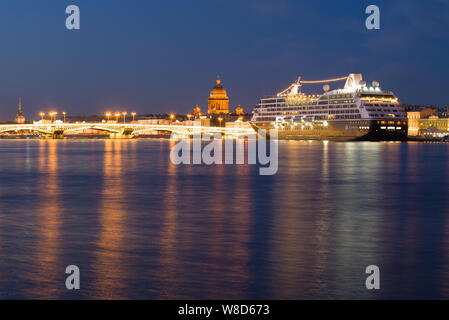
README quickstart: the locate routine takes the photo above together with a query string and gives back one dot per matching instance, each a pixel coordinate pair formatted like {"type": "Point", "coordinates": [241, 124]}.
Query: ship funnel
{"type": "Point", "coordinates": [353, 81]}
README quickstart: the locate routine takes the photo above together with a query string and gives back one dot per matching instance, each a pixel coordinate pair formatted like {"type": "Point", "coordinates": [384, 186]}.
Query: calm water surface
{"type": "Point", "coordinates": [141, 227]}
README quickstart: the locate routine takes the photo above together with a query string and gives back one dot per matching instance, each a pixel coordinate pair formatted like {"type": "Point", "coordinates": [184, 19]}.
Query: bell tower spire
{"type": "Point", "coordinates": [20, 119]}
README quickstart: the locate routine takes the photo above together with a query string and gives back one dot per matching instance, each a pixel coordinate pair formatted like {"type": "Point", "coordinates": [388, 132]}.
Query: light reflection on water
{"type": "Point", "coordinates": [140, 227]}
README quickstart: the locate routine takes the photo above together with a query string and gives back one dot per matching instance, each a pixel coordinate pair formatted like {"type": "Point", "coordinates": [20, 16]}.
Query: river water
{"type": "Point", "coordinates": [141, 227]}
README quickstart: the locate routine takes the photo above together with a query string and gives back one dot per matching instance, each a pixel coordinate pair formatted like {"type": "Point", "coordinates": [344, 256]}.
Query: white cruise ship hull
{"type": "Point", "coordinates": [357, 130]}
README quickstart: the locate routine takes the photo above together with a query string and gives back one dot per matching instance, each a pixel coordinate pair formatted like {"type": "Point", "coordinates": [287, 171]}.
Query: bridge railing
{"type": "Point", "coordinates": [127, 129]}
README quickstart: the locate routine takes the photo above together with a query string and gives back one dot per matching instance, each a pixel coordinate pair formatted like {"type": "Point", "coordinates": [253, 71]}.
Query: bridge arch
{"type": "Point", "coordinates": [29, 129]}
{"type": "Point", "coordinates": [105, 129]}
{"type": "Point", "coordinates": [142, 131]}
{"type": "Point", "coordinates": [97, 128]}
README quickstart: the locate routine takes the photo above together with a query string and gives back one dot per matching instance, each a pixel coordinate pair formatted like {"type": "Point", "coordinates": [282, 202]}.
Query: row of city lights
{"type": "Point", "coordinates": [108, 115]}
{"type": "Point", "coordinates": [51, 115]}
{"type": "Point", "coordinates": [117, 115]}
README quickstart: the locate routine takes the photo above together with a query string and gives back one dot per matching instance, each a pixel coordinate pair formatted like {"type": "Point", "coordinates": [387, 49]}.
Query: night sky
{"type": "Point", "coordinates": [164, 56]}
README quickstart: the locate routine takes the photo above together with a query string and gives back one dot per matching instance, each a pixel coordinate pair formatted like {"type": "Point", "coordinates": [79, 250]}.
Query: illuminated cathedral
{"type": "Point", "coordinates": [218, 102]}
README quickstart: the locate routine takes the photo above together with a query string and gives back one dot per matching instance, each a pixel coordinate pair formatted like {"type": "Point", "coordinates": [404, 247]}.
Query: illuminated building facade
{"type": "Point", "coordinates": [218, 102]}
{"type": "Point", "coordinates": [434, 125]}
{"type": "Point", "coordinates": [413, 122]}
{"type": "Point", "coordinates": [419, 123]}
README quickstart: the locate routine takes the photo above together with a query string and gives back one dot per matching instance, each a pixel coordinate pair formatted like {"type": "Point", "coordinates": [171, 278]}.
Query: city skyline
{"type": "Point", "coordinates": [138, 58]}
{"type": "Point", "coordinates": [222, 157]}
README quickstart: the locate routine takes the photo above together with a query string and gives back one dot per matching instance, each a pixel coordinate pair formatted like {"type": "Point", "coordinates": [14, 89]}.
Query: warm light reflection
{"type": "Point", "coordinates": [109, 266]}
{"type": "Point", "coordinates": [169, 245]}
{"type": "Point", "coordinates": [48, 213]}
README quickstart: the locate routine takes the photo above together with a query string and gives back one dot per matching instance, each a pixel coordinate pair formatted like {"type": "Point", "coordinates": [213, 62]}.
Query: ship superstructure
{"type": "Point", "coordinates": [355, 112]}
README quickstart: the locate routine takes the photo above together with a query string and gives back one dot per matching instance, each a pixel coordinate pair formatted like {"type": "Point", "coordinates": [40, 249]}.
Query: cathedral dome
{"type": "Point", "coordinates": [218, 99]}
{"type": "Point", "coordinates": [218, 92]}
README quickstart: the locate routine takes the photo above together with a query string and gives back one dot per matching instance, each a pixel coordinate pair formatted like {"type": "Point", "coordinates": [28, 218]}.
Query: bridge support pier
{"type": "Point", "coordinates": [55, 135]}
{"type": "Point", "coordinates": [123, 134]}
{"type": "Point", "coordinates": [58, 135]}
{"type": "Point", "coordinates": [120, 136]}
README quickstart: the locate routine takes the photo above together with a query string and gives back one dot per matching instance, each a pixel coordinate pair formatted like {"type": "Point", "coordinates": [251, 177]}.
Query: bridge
{"type": "Point", "coordinates": [119, 130]}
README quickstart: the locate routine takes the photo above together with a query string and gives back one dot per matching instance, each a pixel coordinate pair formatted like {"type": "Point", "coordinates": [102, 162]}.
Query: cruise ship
{"type": "Point", "coordinates": [356, 112]}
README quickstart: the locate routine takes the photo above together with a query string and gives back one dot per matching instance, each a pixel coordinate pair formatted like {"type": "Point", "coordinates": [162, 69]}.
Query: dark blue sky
{"type": "Point", "coordinates": [164, 56]}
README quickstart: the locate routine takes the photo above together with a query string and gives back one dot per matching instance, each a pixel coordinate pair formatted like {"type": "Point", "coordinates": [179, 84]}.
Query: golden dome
{"type": "Point", "coordinates": [218, 100]}
{"type": "Point", "coordinates": [218, 91]}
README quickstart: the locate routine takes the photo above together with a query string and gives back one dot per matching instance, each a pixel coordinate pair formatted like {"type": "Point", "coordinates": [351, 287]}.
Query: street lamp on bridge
{"type": "Point", "coordinates": [108, 115]}
{"type": "Point", "coordinates": [42, 116]}
{"type": "Point", "coordinates": [52, 114]}
{"type": "Point", "coordinates": [124, 116]}
{"type": "Point", "coordinates": [134, 115]}
{"type": "Point", "coordinates": [117, 116]}
{"type": "Point", "coordinates": [64, 113]}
